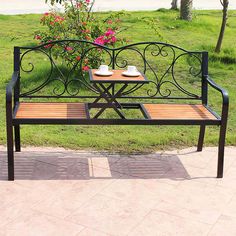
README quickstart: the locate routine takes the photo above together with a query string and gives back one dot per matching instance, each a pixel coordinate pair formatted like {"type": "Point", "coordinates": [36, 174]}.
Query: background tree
{"type": "Point", "coordinates": [174, 5]}
{"type": "Point", "coordinates": [186, 9]}
{"type": "Point", "coordinates": [225, 4]}
{"type": "Point", "coordinates": [52, 2]}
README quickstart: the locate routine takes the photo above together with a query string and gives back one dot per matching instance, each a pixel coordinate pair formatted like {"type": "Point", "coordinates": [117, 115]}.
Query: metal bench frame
{"type": "Point", "coordinates": [14, 95]}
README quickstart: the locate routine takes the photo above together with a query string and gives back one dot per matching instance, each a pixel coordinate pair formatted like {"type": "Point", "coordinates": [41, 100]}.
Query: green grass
{"type": "Point", "coordinates": [200, 34]}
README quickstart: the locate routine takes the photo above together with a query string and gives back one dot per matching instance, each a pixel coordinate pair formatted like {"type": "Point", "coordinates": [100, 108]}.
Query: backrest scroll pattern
{"type": "Point", "coordinates": [60, 69]}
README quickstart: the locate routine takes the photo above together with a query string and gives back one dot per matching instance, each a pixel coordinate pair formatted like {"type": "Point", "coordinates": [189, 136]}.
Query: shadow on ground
{"type": "Point", "coordinates": [69, 165]}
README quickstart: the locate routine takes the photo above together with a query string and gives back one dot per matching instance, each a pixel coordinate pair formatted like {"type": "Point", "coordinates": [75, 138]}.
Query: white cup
{"type": "Point", "coordinates": [103, 68]}
{"type": "Point", "coordinates": [131, 69]}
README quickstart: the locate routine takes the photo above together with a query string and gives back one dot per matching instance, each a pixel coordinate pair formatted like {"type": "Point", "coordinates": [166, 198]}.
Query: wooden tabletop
{"type": "Point", "coordinates": [117, 77]}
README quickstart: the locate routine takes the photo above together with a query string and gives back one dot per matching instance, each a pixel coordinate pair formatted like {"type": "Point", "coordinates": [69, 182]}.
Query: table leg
{"type": "Point", "coordinates": [111, 99]}
{"type": "Point", "coordinates": [105, 91]}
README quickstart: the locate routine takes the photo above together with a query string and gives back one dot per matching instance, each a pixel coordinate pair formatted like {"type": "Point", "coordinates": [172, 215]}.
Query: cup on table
{"type": "Point", "coordinates": [103, 69]}
{"type": "Point", "coordinates": [132, 69]}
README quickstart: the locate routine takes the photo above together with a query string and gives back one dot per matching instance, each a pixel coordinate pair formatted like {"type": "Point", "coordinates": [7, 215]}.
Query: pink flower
{"type": "Point", "coordinates": [46, 13]}
{"type": "Point", "coordinates": [109, 32]}
{"type": "Point", "coordinates": [87, 1]}
{"type": "Point", "coordinates": [59, 19]}
{"type": "Point", "coordinates": [67, 48]}
{"type": "Point", "coordinates": [48, 45]}
{"type": "Point", "coordinates": [38, 37]}
{"type": "Point", "coordinates": [113, 39]}
{"type": "Point", "coordinates": [109, 22]}
{"type": "Point", "coordinates": [85, 68]}
{"type": "Point", "coordinates": [100, 40]}
{"type": "Point", "coordinates": [79, 5]}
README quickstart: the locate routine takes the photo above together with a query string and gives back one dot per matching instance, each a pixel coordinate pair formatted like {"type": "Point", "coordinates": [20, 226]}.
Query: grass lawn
{"type": "Point", "coordinates": [200, 34]}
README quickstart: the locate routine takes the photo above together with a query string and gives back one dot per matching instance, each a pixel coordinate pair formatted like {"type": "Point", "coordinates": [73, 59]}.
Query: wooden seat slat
{"type": "Point", "coordinates": [178, 111]}
{"type": "Point", "coordinates": [51, 111]}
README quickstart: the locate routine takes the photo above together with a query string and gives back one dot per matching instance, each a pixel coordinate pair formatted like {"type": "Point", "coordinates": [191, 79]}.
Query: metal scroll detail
{"type": "Point", "coordinates": [162, 75]}
{"type": "Point", "coordinates": [61, 68]}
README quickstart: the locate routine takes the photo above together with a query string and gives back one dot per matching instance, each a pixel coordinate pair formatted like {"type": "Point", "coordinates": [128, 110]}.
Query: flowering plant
{"type": "Point", "coordinates": [79, 22]}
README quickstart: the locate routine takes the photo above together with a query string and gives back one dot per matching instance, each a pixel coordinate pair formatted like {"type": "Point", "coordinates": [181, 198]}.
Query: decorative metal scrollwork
{"type": "Point", "coordinates": [67, 60]}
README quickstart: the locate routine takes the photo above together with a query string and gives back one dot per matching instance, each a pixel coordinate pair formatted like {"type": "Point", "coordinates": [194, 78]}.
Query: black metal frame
{"type": "Point", "coordinates": [13, 96]}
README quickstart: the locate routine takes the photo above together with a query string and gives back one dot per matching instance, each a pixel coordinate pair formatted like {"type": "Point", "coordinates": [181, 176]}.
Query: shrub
{"type": "Point", "coordinates": [78, 22]}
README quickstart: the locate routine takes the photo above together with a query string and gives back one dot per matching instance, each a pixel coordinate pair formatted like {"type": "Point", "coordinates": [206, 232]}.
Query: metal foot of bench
{"type": "Point", "coordinates": [221, 150]}
{"type": "Point", "coordinates": [17, 138]}
{"type": "Point", "coordinates": [201, 138]}
{"type": "Point", "coordinates": [10, 152]}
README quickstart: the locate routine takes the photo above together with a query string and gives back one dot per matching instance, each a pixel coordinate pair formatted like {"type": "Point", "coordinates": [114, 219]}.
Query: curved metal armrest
{"type": "Point", "coordinates": [11, 86]}
{"type": "Point", "coordinates": [224, 93]}
{"type": "Point", "coordinates": [225, 97]}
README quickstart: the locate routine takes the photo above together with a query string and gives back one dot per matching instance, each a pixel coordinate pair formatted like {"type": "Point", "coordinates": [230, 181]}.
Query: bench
{"type": "Point", "coordinates": [49, 86]}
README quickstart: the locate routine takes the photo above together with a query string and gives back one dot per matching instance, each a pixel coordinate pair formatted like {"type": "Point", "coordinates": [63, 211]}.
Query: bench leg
{"type": "Point", "coordinates": [201, 138]}
{"type": "Point", "coordinates": [17, 138]}
{"type": "Point", "coordinates": [221, 150]}
{"type": "Point", "coordinates": [10, 151]}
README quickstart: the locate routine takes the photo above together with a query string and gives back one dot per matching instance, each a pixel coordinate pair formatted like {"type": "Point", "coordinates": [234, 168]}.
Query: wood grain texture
{"type": "Point", "coordinates": [116, 76]}
{"type": "Point", "coordinates": [51, 111]}
{"type": "Point", "coordinates": [178, 112]}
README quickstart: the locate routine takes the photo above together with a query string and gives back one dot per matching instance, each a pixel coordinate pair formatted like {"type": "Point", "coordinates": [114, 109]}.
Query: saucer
{"type": "Point", "coordinates": [99, 73]}
{"type": "Point", "coordinates": [133, 74]}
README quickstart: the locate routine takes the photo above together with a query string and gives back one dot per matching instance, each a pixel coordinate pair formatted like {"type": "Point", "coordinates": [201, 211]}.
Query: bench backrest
{"type": "Point", "coordinates": [59, 69]}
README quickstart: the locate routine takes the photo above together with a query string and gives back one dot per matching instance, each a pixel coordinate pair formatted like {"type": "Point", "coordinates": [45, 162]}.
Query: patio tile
{"type": "Point", "coordinates": [99, 167]}
{"type": "Point", "coordinates": [159, 223]}
{"type": "Point", "coordinates": [190, 157]}
{"type": "Point", "coordinates": [145, 192]}
{"type": "Point", "coordinates": [205, 201]}
{"type": "Point", "coordinates": [202, 175]}
{"type": "Point", "coordinates": [186, 213]}
{"type": "Point", "coordinates": [14, 211]}
{"type": "Point", "coordinates": [226, 225]}
{"type": "Point", "coordinates": [17, 197]}
{"type": "Point", "coordinates": [166, 193]}
{"type": "Point", "coordinates": [90, 232]}
{"type": "Point", "coordinates": [230, 209]}
{"type": "Point", "coordinates": [11, 192]}
{"type": "Point", "coordinates": [109, 215]}
{"type": "Point", "coordinates": [229, 180]}
{"type": "Point", "coordinates": [34, 223]}
{"type": "Point", "coordinates": [147, 166]}
{"type": "Point", "coordinates": [75, 196]}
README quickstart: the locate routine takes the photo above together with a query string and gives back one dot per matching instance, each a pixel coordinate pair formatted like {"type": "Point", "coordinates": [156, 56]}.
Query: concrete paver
{"type": "Point", "coordinates": [87, 193]}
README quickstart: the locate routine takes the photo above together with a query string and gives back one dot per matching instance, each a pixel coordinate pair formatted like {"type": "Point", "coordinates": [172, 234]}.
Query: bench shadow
{"type": "Point", "coordinates": [69, 165]}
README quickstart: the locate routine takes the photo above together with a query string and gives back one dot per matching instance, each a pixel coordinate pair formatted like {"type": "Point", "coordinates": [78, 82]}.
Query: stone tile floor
{"type": "Point", "coordinates": [65, 192]}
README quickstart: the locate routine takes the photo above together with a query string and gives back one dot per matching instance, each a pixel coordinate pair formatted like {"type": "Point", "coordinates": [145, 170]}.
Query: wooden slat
{"type": "Point", "coordinates": [51, 111]}
{"type": "Point", "coordinates": [178, 112]}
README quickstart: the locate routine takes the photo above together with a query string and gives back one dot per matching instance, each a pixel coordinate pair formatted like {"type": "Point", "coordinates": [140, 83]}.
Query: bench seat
{"type": "Point", "coordinates": [66, 111]}
{"type": "Point", "coordinates": [50, 110]}
{"type": "Point", "coordinates": [178, 112]}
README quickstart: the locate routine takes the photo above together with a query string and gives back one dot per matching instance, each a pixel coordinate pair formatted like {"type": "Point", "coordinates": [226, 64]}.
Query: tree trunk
{"type": "Point", "coordinates": [174, 5]}
{"type": "Point", "coordinates": [225, 4]}
{"type": "Point", "coordinates": [186, 10]}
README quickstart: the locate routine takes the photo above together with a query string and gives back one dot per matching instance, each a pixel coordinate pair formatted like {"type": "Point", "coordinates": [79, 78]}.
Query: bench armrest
{"type": "Point", "coordinates": [225, 97]}
{"type": "Point", "coordinates": [10, 86]}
